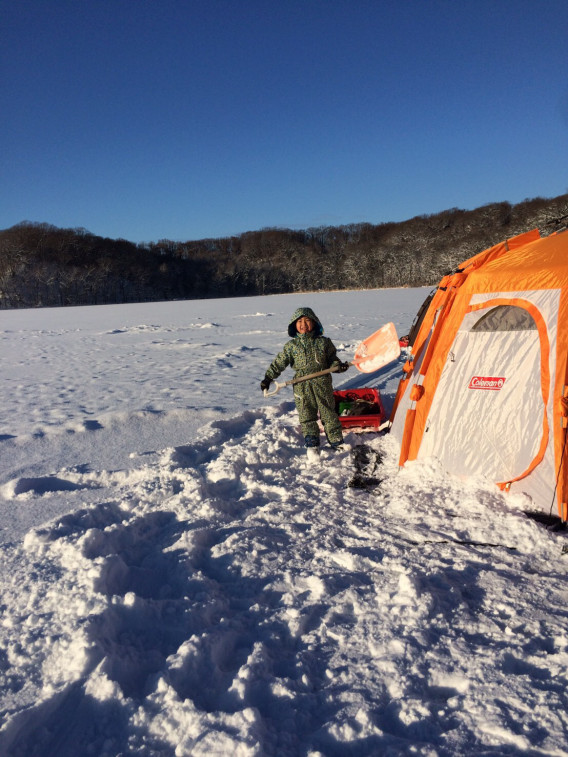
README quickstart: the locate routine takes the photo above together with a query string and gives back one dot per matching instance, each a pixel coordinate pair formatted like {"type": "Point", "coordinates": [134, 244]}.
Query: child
{"type": "Point", "coordinates": [307, 352]}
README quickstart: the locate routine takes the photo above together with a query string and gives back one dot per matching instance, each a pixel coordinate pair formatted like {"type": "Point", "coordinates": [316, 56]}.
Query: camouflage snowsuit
{"type": "Point", "coordinates": [308, 353]}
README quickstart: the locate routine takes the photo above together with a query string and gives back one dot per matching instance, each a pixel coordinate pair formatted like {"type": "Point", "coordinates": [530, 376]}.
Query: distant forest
{"type": "Point", "coordinates": [44, 266]}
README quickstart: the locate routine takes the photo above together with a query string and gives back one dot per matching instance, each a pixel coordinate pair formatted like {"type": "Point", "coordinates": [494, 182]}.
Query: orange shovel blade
{"type": "Point", "coordinates": [377, 350]}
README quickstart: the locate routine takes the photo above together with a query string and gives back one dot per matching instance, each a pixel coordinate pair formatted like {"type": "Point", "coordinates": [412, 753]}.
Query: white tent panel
{"type": "Point", "coordinates": [486, 417]}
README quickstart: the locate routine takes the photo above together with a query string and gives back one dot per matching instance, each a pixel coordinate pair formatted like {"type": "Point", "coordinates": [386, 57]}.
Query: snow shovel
{"type": "Point", "coordinates": [373, 353]}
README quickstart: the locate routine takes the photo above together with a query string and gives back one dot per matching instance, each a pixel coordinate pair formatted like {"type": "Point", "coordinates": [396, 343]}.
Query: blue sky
{"type": "Point", "coordinates": [186, 119]}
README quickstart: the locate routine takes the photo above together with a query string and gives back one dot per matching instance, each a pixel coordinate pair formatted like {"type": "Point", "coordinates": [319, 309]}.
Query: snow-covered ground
{"type": "Point", "coordinates": [176, 581]}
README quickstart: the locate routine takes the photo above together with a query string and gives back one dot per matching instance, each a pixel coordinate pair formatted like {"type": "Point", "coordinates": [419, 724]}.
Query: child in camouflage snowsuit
{"type": "Point", "coordinates": [307, 352]}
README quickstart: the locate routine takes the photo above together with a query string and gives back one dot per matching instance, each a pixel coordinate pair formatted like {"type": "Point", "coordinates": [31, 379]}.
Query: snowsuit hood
{"type": "Point", "coordinates": [304, 313]}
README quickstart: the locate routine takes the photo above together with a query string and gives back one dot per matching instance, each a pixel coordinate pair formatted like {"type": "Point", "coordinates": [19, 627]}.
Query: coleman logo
{"type": "Point", "coordinates": [486, 382]}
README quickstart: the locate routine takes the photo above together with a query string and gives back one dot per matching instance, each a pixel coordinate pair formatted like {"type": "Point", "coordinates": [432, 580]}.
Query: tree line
{"type": "Point", "coordinates": [42, 265]}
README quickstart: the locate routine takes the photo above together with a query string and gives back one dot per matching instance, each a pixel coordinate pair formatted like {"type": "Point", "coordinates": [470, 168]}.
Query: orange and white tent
{"type": "Point", "coordinates": [488, 369]}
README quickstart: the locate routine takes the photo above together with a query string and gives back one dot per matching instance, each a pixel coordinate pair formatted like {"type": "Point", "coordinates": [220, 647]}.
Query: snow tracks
{"type": "Point", "coordinates": [224, 598]}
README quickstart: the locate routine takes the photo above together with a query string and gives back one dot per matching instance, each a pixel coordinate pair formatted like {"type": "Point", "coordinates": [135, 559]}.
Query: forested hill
{"type": "Point", "coordinates": [42, 265]}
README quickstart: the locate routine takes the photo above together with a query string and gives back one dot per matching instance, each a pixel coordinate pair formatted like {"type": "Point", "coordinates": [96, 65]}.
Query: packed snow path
{"type": "Point", "coordinates": [231, 600]}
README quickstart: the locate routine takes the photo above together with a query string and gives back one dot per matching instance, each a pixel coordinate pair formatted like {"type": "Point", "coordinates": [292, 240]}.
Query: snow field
{"type": "Point", "coordinates": [219, 596]}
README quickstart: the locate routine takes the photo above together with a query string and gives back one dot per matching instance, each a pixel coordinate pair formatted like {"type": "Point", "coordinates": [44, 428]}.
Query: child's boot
{"type": "Point", "coordinates": [337, 444]}
{"type": "Point", "coordinates": [313, 449]}
{"type": "Point", "coordinates": [313, 455]}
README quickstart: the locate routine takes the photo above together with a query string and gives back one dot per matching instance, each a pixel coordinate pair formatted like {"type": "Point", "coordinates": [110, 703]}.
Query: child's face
{"type": "Point", "coordinates": [304, 325]}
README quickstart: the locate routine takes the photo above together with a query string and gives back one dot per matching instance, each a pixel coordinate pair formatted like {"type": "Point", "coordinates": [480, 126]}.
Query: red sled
{"type": "Point", "coordinates": [360, 408]}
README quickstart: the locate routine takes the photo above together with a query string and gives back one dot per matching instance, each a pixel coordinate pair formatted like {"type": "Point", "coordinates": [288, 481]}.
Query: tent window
{"type": "Point", "coordinates": [506, 318]}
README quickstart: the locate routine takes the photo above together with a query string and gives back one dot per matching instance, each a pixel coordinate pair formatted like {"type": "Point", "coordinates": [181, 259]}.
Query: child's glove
{"type": "Point", "coordinates": [264, 384]}
{"type": "Point", "coordinates": [342, 367]}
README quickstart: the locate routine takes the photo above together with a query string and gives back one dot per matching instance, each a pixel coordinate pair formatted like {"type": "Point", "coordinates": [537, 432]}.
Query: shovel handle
{"type": "Point", "coordinates": [277, 387]}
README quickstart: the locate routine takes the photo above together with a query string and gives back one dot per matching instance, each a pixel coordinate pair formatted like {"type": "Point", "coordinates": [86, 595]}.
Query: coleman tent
{"type": "Point", "coordinates": [488, 369]}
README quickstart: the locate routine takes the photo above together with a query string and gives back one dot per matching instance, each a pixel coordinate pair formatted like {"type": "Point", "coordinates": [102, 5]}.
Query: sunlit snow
{"type": "Point", "coordinates": [177, 581]}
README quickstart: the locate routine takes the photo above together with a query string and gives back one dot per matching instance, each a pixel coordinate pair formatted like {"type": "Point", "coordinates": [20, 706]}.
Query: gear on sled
{"type": "Point", "coordinates": [360, 409]}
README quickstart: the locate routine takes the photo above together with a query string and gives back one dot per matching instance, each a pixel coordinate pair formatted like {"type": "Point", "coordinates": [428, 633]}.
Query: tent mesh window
{"type": "Point", "coordinates": [506, 318]}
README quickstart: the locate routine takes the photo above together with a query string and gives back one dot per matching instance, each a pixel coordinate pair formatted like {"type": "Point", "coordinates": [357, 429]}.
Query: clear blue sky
{"type": "Point", "coordinates": [185, 119]}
